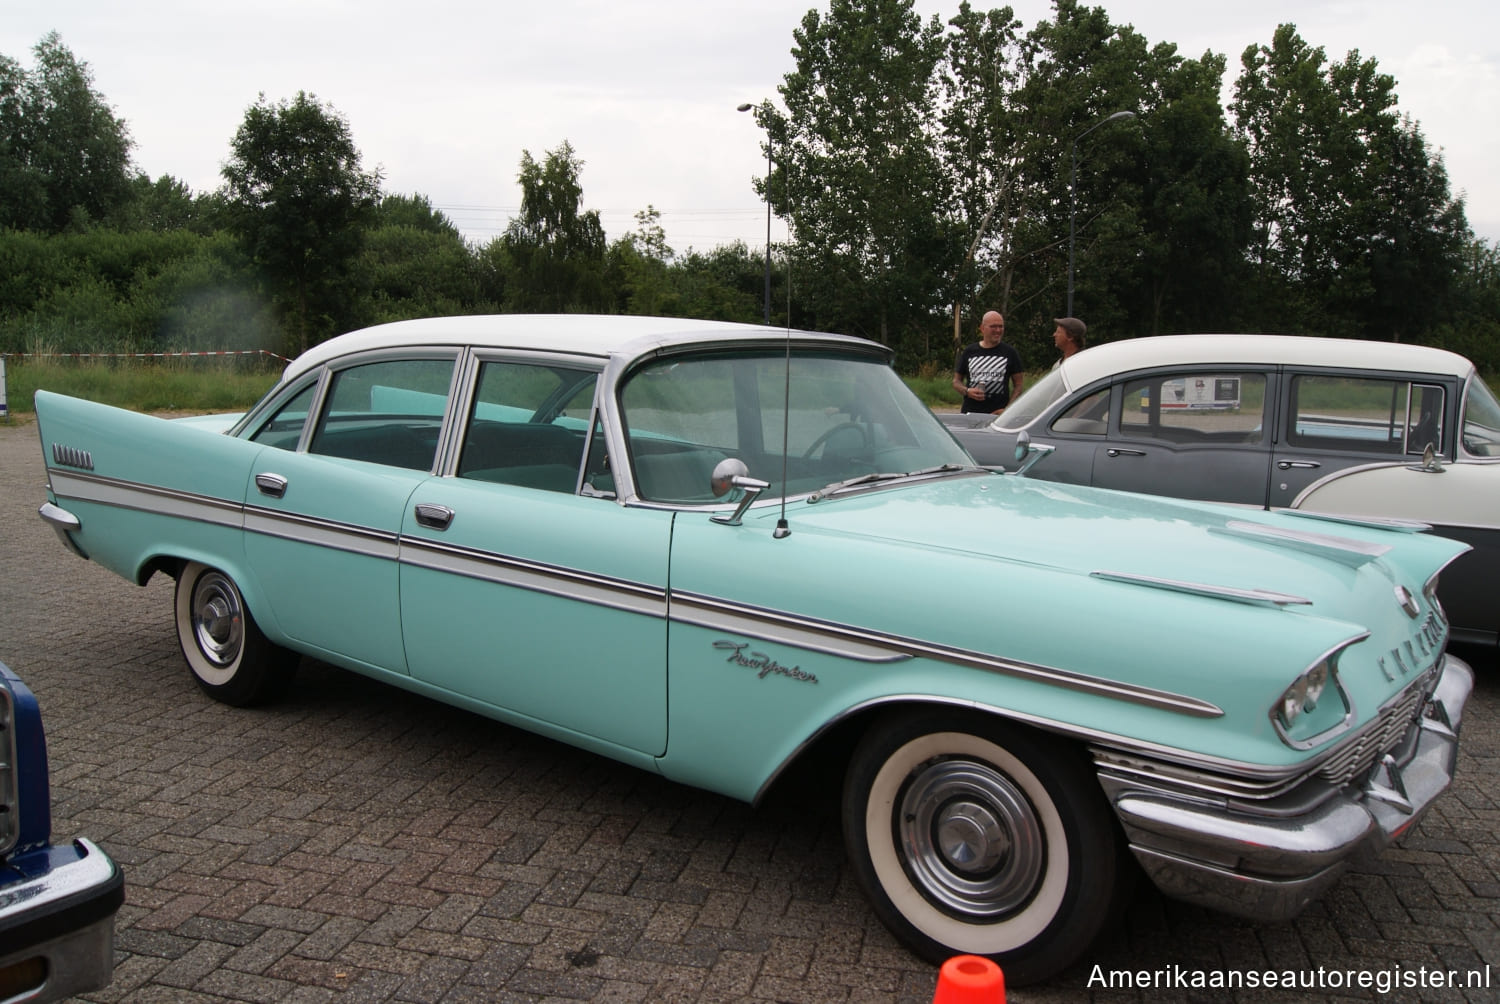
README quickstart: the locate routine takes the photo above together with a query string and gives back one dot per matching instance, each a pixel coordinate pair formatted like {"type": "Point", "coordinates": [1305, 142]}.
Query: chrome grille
{"type": "Point", "coordinates": [1355, 756]}
{"type": "Point", "coordinates": [1349, 759]}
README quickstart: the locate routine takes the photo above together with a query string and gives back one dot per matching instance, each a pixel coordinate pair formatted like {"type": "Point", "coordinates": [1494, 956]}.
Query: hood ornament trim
{"type": "Point", "coordinates": [1259, 597]}
{"type": "Point", "coordinates": [1407, 602]}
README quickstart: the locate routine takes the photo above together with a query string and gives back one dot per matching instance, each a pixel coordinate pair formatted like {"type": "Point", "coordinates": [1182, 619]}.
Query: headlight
{"type": "Point", "coordinates": [1317, 680]}
{"type": "Point", "coordinates": [1302, 696]}
{"type": "Point", "coordinates": [1309, 711]}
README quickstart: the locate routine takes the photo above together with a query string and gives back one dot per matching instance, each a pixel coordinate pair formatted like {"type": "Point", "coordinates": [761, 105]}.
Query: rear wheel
{"type": "Point", "coordinates": [974, 836]}
{"type": "Point", "coordinates": [229, 657]}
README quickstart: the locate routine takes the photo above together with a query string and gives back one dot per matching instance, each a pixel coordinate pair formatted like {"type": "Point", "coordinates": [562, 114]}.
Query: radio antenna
{"type": "Point", "coordinates": [782, 529]}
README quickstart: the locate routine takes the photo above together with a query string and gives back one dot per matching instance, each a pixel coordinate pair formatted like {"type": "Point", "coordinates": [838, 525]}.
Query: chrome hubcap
{"type": "Point", "coordinates": [970, 838]}
{"type": "Point", "coordinates": [218, 620]}
{"type": "Point", "coordinates": [973, 844]}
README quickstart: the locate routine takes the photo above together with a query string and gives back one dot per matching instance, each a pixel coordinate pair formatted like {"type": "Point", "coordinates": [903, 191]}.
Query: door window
{"type": "Point", "coordinates": [284, 430]}
{"type": "Point", "coordinates": [1088, 417]}
{"type": "Point", "coordinates": [1481, 420]}
{"type": "Point", "coordinates": [388, 412]}
{"type": "Point", "coordinates": [1366, 415]}
{"type": "Point", "coordinates": [1196, 408]}
{"type": "Point", "coordinates": [528, 425]}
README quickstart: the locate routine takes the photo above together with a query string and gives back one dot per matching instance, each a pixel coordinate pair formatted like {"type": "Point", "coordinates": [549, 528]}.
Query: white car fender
{"type": "Point", "coordinates": [1463, 494]}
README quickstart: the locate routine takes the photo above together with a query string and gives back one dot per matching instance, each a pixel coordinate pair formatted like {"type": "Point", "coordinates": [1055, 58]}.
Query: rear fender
{"type": "Point", "coordinates": [149, 494]}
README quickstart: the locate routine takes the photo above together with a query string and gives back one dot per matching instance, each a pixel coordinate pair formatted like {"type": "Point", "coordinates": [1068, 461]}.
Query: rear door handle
{"type": "Point", "coordinates": [432, 516]}
{"type": "Point", "coordinates": [1299, 465]}
{"type": "Point", "coordinates": [273, 485]}
{"type": "Point", "coordinates": [1115, 451]}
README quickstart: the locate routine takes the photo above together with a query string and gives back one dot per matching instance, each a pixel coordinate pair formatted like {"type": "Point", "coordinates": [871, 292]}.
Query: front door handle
{"type": "Point", "coordinates": [273, 485]}
{"type": "Point", "coordinates": [1115, 451]}
{"type": "Point", "coordinates": [432, 516]}
{"type": "Point", "coordinates": [1298, 465]}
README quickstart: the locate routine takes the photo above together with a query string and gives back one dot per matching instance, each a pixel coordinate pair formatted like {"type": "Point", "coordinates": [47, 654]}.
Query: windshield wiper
{"type": "Point", "coordinates": [837, 487]}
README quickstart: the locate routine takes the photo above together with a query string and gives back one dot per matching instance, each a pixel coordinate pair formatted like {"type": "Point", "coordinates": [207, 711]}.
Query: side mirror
{"type": "Point", "coordinates": [1029, 454]}
{"type": "Point", "coordinates": [726, 472]}
{"type": "Point", "coordinates": [728, 475]}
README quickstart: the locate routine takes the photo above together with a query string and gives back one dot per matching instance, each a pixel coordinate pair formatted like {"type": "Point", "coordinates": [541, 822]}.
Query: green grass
{"type": "Point", "coordinates": [935, 390]}
{"type": "Point", "coordinates": [195, 385]}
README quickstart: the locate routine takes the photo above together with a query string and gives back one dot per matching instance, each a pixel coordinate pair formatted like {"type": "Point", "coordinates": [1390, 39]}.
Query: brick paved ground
{"type": "Point", "coordinates": [355, 843]}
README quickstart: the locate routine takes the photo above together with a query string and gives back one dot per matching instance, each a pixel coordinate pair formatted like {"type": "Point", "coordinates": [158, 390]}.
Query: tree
{"type": "Point", "coordinates": [985, 147]}
{"type": "Point", "coordinates": [64, 156]}
{"type": "Point", "coordinates": [725, 284]}
{"type": "Point", "coordinates": [1355, 229]}
{"type": "Point", "coordinates": [855, 169]}
{"type": "Point", "coordinates": [1475, 331]}
{"type": "Point", "coordinates": [414, 211]}
{"type": "Point", "coordinates": [1418, 241]}
{"type": "Point", "coordinates": [1080, 70]}
{"type": "Point", "coordinates": [166, 204]}
{"type": "Point", "coordinates": [1195, 209]}
{"type": "Point", "coordinates": [299, 201]}
{"type": "Point", "coordinates": [640, 263]}
{"type": "Point", "coordinates": [415, 263]}
{"type": "Point", "coordinates": [1149, 211]}
{"type": "Point", "coordinates": [553, 251]}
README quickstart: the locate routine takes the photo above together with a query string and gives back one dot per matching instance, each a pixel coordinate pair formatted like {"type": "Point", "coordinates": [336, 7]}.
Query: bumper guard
{"type": "Point", "coordinates": [1269, 868]}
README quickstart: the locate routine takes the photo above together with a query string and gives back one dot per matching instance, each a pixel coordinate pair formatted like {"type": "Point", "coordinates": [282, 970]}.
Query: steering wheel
{"type": "Point", "coordinates": [829, 434]}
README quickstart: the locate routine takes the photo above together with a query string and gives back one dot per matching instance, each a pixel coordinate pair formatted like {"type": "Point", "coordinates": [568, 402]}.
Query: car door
{"type": "Point", "coordinates": [1337, 420]}
{"type": "Point", "coordinates": [524, 586]}
{"type": "Point", "coordinates": [1075, 435]}
{"type": "Point", "coordinates": [1190, 433]}
{"type": "Point", "coordinates": [323, 519]}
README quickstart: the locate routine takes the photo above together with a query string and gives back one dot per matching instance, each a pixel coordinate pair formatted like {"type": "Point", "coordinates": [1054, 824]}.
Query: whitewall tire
{"type": "Point", "coordinates": [976, 836]}
{"type": "Point", "coordinates": [229, 657]}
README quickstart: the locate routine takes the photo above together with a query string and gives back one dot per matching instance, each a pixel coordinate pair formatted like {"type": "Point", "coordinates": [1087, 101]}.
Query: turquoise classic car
{"type": "Point", "coordinates": [729, 553]}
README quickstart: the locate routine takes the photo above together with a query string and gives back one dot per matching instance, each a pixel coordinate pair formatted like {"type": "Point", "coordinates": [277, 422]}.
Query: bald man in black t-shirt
{"type": "Point", "coordinates": [989, 372]}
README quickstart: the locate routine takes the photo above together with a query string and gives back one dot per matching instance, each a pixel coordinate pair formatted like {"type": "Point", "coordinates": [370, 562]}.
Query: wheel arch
{"type": "Point", "coordinates": [171, 563]}
{"type": "Point", "coordinates": [825, 754]}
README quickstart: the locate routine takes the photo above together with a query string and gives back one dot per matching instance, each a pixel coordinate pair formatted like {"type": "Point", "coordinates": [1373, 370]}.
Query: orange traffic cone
{"type": "Point", "coordinates": [970, 979]}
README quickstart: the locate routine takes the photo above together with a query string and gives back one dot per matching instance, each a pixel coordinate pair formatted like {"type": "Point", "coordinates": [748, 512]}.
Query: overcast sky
{"type": "Point", "coordinates": [443, 96]}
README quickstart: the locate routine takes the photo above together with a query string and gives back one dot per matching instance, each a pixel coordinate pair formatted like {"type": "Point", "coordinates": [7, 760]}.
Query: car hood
{"type": "Point", "coordinates": [1223, 605]}
{"type": "Point", "coordinates": [1048, 525]}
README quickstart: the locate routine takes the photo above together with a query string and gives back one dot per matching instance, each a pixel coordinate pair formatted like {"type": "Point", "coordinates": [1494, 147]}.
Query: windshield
{"type": "Point", "coordinates": [1032, 402]}
{"type": "Point", "coordinates": [1481, 420]}
{"type": "Point", "coordinates": [849, 416]}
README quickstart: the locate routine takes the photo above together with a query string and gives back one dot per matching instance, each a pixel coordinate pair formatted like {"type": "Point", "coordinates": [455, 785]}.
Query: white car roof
{"type": "Point", "coordinates": [574, 334]}
{"type": "Point", "coordinates": [1104, 361]}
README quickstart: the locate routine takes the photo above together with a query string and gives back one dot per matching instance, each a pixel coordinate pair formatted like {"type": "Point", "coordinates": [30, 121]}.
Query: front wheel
{"type": "Point", "coordinates": [974, 836]}
{"type": "Point", "coordinates": [229, 657]}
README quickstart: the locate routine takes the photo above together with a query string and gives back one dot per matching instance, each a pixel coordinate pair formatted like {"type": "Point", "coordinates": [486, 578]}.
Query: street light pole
{"type": "Point", "coordinates": [1073, 196]}
{"type": "Point", "coordinates": [745, 108]}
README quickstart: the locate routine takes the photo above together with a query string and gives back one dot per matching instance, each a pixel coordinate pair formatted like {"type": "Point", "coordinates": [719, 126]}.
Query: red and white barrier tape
{"type": "Point", "coordinates": [143, 355]}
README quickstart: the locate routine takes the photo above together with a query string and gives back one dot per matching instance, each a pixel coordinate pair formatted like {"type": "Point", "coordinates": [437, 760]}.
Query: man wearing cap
{"type": "Point", "coordinates": [1069, 337]}
{"type": "Point", "coordinates": [989, 371]}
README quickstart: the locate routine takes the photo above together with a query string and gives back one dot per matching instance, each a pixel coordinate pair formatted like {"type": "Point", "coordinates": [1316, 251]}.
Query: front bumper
{"type": "Point", "coordinates": [57, 929]}
{"type": "Point", "coordinates": [1268, 867]}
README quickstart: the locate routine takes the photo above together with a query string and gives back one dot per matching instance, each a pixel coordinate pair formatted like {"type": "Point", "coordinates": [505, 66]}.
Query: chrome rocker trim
{"type": "Point", "coordinates": [1268, 867]}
